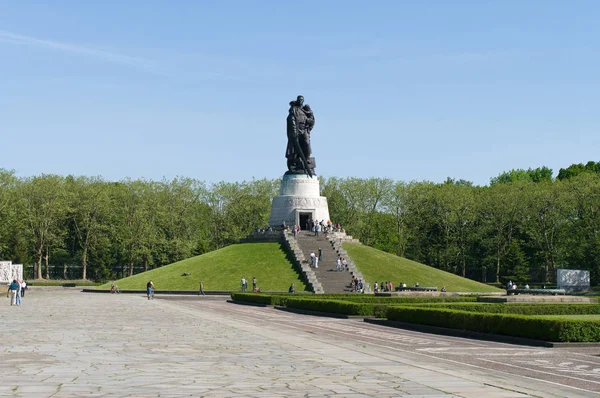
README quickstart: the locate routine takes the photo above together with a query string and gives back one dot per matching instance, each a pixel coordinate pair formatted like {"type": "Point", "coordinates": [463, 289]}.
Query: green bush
{"type": "Point", "coordinates": [523, 309]}
{"type": "Point", "coordinates": [533, 327]}
{"type": "Point", "coordinates": [367, 298]}
{"type": "Point", "coordinates": [338, 307]}
{"type": "Point", "coordinates": [63, 284]}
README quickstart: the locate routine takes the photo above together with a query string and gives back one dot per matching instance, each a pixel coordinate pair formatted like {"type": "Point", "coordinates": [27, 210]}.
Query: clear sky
{"type": "Point", "coordinates": [410, 90]}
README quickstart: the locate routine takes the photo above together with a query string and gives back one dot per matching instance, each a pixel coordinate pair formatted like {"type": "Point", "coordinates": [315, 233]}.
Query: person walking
{"type": "Point", "coordinates": [201, 292]}
{"type": "Point", "coordinates": [12, 291]}
{"type": "Point", "coordinates": [320, 254]}
{"type": "Point", "coordinates": [23, 287]}
{"type": "Point", "coordinates": [150, 289]}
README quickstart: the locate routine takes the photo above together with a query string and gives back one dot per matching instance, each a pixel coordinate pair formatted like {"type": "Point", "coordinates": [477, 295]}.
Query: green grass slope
{"type": "Point", "coordinates": [379, 266]}
{"type": "Point", "coordinates": [222, 270]}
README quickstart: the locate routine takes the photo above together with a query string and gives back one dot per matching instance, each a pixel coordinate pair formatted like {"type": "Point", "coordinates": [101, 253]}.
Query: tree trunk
{"type": "Point", "coordinates": [145, 263]}
{"type": "Point", "coordinates": [47, 259]}
{"type": "Point", "coordinates": [130, 268]}
{"type": "Point", "coordinates": [498, 265]}
{"type": "Point", "coordinates": [84, 263]}
{"type": "Point", "coordinates": [38, 262]}
{"type": "Point", "coordinates": [65, 276]}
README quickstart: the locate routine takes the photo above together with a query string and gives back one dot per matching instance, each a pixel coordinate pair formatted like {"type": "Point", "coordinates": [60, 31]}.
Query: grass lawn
{"type": "Point", "coordinates": [379, 266]}
{"type": "Point", "coordinates": [222, 270]}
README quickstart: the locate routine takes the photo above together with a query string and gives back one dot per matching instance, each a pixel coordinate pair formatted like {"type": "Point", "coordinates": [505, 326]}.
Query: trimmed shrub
{"type": "Point", "coordinates": [532, 327]}
{"type": "Point", "coordinates": [523, 309]}
{"type": "Point", "coordinates": [338, 307]}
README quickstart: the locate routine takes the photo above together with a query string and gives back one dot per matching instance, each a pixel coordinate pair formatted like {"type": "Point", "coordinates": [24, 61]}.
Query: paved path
{"type": "Point", "coordinates": [62, 343]}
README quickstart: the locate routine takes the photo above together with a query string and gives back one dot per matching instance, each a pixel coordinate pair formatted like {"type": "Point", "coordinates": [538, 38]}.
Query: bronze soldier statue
{"type": "Point", "coordinates": [300, 122]}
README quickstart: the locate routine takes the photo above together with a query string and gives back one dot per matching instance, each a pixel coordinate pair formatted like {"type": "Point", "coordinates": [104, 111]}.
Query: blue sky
{"type": "Point", "coordinates": [410, 90]}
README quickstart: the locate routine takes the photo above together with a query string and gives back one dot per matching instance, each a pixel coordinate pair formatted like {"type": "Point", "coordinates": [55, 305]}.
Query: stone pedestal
{"type": "Point", "coordinates": [298, 200]}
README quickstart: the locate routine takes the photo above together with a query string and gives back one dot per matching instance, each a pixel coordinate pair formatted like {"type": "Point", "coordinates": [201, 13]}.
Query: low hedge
{"type": "Point", "coordinates": [63, 284]}
{"type": "Point", "coordinates": [532, 327]}
{"type": "Point", "coordinates": [279, 299]}
{"type": "Point", "coordinates": [368, 298]}
{"type": "Point", "coordinates": [523, 309]}
{"type": "Point", "coordinates": [338, 307]}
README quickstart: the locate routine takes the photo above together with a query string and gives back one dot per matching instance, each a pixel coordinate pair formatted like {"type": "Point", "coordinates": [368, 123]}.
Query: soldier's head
{"type": "Point", "coordinates": [300, 100]}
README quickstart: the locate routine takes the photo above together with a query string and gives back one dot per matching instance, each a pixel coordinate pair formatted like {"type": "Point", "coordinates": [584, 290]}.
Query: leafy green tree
{"type": "Point", "coordinates": [579, 168]}
{"type": "Point", "coordinates": [540, 174]}
{"type": "Point", "coordinates": [90, 214]}
{"type": "Point", "coordinates": [501, 213]}
{"type": "Point", "coordinates": [545, 222]}
{"type": "Point", "coordinates": [45, 212]}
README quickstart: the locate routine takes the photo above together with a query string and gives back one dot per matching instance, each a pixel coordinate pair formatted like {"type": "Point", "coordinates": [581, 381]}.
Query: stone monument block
{"type": "Point", "coordinates": [10, 271]}
{"type": "Point", "coordinates": [299, 200]}
{"type": "Point", "coordinates": [573, 280]}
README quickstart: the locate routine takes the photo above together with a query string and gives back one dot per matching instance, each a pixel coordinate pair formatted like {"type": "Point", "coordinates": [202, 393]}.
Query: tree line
{"type": "Point", "coordinates": [522, 226]}
{"type": "Point", "coordinates": [109, 229]}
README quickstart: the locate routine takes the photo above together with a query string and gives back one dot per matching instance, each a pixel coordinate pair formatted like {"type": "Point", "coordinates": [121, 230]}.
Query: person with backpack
{"type": "Point", "coordinates": [150, 289]}
{"type": "Point", "coordinates": [13, 288]}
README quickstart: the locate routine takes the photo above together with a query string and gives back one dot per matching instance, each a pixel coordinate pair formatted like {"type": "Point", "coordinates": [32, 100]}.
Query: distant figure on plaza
{"type": "Point", "coordinates": [320, 254]}
{"type": "Point", "coordinates": [18, 297]}
{"type": "Point", "coordinates": [12, 292]}
{"type": "Point", "coordinates": [201, 292]}
{"type": "Point", "coordinates": [312, 258]}
{"type": "Point", "coordinates": [150, 288]}
{"type": "Point", "coordinates": [23, 287]}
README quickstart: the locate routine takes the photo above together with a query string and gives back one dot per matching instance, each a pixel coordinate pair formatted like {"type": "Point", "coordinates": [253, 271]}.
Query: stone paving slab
{"type": "Point", "coordinates": [63, 343]}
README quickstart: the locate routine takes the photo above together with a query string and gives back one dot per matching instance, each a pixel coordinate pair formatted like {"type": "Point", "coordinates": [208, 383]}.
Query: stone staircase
{"type": "Point", "coordinates": [304, 263]}
{"type": "Point", "coordinates": [326, 278]}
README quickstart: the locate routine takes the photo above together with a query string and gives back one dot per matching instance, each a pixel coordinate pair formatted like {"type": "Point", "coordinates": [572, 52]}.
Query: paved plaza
{"type": "Point", "coordinates": [64, 343]}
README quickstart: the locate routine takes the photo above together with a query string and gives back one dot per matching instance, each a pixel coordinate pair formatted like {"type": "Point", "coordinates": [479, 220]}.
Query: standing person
{"type": "Point", "coordinates": [316, 262]}
{"type": "Point", "coordinates": [23, 287]}
{"type": "Point", "coordinates": [150, 289]}
{"type": "Point", "coordinates": [312, 258]}
{"type": "Point", "coordinates": [201, 292]}
{"type": "Point", "coordinates": [12, 291]}
{"type": "Point", "coordinates": [291, 289]}
{"type": "Point", "coordinates": [338, 264]}
{"type": "Point", "coordinates": [243, 284]}
{"type": "Point", "coordinates": [317, 227]}
{"type": "Point", "coordinates": [253, 284]}
{"type": "Point", "coordinates": [375, 287]}
{"type": "Point", "coordinates": [320, 254]}
{"type": "Point", "coordinates": [344, 264]}
{"type": "Point", "coordinates": [18, 296]}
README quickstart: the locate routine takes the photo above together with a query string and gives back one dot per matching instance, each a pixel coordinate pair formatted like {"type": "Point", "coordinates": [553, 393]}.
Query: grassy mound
{"type": "Point", "coordinates": [222, 270]}
{"type": "Point", "coordinates": [379, 266]}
